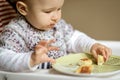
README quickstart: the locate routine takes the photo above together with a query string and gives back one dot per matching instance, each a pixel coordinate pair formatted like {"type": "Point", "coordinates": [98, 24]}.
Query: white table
{"type": "Point", "coordinates": [51, 74]}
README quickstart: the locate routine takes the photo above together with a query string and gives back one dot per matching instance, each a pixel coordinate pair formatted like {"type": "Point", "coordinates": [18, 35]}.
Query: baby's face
{"type": "Point", "coordinates": [44, 14]}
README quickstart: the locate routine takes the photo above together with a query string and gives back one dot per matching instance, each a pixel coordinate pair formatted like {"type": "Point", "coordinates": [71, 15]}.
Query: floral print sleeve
{"type": "Point", "coordinates": [13, 51]}
{"type": "Point", "coordinates": [12, 41]}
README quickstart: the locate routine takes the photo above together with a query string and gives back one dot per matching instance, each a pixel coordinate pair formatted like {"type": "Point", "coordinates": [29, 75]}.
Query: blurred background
{"type": "Point", "coordinates": [99, 19]}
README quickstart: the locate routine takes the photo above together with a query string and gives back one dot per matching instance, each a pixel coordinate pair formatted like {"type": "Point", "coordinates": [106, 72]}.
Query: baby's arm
{"type": "Point", "coordinates": [80, 42]}
{"type": "Point", "coordinates": [83, 43]}
{"type": "Point", "coordinates": [12, 61]}
{"type": "Point", "coordinates": [14, 54]}
{"type": "Point", "coordinates": [76, 41]}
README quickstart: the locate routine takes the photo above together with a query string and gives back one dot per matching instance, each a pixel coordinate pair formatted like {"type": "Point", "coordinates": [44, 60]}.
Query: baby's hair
{"type": "Point", "coordinates": [13, 3]}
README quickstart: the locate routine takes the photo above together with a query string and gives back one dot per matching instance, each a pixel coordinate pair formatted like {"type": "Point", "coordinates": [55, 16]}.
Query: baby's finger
{"type": "Point", "coordinates": [38, 46]}
{"type": "Point", "coordinates": [51, 60]}
{"type": "Point", "coordinates": [53, 48]}
{"type": "Point", "coordinates": [46, 43]}
{"type": "Point", "coordinates": [50, 42]}
{"type": "Point", "coordinates": [40, 50]}
{"type": "Point", "coordinates": [103, 52]}
{"type": "Point", "coordinates": [94, 53]}
{"type": "Point", "coordinates": [108, 53]}
{"type": "Point", "coordinates": [45, 58]}
{"type": "Point", "coordinates": [43, 43]}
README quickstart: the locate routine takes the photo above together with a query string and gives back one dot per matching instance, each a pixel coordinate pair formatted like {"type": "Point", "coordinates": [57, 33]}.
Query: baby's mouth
{"type": "Point", "coordinates": [51, 25]}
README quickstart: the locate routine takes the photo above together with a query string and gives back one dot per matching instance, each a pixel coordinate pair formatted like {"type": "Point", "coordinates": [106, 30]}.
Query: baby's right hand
{"type": "Point", "coordinates": [41, 50]}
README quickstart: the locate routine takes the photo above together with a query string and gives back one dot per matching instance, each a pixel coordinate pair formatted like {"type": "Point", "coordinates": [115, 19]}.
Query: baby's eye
{"type": "Point", "coordinates": [47, 11]}
{"type": "Point", "coordinates": [59, 9]}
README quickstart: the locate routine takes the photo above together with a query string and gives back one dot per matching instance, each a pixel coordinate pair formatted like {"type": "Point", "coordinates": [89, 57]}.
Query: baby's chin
{"type": "Point", "coordinates": [45, 29]}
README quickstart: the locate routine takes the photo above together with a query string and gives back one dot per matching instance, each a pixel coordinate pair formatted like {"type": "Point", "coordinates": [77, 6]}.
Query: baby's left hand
{"type": "Point", "coordinates": [102, 50]}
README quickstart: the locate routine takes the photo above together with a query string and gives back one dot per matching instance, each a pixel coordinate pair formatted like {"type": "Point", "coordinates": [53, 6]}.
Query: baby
{"type": "Point", "coordinates": [38, 36]}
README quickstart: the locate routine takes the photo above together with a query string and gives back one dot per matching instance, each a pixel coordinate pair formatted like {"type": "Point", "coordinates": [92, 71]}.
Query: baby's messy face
{"type": "Point", "coordinates": [44, 14]}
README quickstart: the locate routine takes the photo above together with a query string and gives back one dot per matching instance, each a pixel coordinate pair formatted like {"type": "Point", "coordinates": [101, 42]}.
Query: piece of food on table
{"type": "Point", "coordinates": [84, 69]}
{"type": "Point", "coordinates": [85, 61]}
{"type": "Point", "coordinates": [100, 60]}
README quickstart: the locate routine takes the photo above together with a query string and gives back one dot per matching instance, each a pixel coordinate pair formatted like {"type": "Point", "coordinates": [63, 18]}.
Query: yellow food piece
{"type": "Point", "coordinates": [100, 60]}
{"type": "Point", "coordinates": [85, 61]}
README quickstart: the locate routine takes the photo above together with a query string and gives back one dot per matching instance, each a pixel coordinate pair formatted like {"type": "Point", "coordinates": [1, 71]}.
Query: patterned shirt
{"type": "Point", "coordinates": [18, 39]}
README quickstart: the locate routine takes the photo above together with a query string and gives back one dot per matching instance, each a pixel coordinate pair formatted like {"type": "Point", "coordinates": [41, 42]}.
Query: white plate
{"type": "Point", "coordinates": [67, 65]}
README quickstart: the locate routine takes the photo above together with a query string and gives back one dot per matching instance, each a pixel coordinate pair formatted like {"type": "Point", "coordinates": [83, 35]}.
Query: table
{"type": "Point", "coordinates": [51, 74]}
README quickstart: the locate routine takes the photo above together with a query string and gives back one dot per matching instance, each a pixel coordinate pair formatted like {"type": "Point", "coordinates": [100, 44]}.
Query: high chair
{"type": "Point", "coordinates": [6, 13]}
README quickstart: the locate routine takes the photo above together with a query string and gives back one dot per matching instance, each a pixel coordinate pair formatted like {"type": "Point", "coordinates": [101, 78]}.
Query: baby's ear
{"type": "Point", "coordinates": [22, 8]}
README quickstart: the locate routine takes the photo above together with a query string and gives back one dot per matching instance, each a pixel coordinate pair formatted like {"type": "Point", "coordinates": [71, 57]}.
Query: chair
{"type": "Point", "coordinates": [6, 13]}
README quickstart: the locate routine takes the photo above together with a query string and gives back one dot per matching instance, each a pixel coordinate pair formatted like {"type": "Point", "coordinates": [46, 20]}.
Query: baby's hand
{"type": "Point", "coordinates": [102, 50]}
{"type": "Point", "coordinates": [41, 50]}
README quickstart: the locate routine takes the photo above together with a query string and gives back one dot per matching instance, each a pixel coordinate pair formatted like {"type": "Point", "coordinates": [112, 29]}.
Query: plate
{"type": "Point", "coordinates": [68, 64]}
